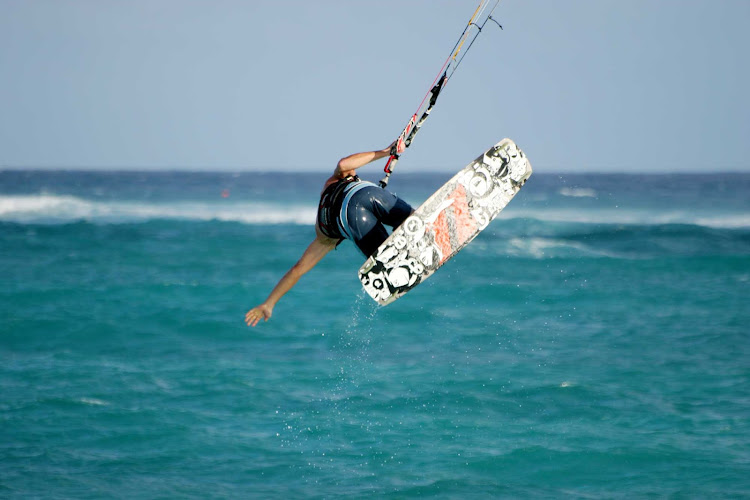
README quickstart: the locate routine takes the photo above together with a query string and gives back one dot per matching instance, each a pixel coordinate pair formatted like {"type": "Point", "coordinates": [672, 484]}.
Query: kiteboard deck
{"type": "Point", "coordinates": [444, 224]}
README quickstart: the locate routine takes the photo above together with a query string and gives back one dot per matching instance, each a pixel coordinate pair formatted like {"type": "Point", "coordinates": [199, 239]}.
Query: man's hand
{"type": "Point", "coordinates": [255, 314]}
{"type": "Point", "coordinates": [401, 141]}
{"type": "Point", "coordinates": [397, 147]}
{"type": "Point", "coordinates": [400, 145]}
{"type": "Point", "coordinates": [320, 246]}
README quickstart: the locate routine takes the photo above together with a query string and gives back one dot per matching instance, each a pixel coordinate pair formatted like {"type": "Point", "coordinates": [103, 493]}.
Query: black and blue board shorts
{"type": "Point", "coordinates": [366, 210]}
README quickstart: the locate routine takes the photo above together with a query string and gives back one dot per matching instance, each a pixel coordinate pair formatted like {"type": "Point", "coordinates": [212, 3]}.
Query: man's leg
{"type": "Point", "coordinates": [369, 209]}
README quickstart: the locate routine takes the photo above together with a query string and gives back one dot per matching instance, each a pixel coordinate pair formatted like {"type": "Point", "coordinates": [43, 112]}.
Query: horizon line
{"type": "Point", "coordinates": [227, 170]}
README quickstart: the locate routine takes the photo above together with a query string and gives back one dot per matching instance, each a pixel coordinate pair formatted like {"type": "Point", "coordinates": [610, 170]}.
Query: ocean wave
{"type": "Point", "coordinates": [632, 217]}
{"type": "Point", "coordinates": [590, 242]}
{"type": "Point", "coordinates": [578, 192]}
{"type": "Point", "coordinates": [737, 221]}
{"type": "Point", "coordinates": [46, 208]}
{"type": "Point", "coordinates": [539, 248]}
{"type": "Point", "coordinates": [60, 209]}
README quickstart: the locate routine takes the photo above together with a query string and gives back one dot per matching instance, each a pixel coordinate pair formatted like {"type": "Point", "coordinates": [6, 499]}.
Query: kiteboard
{"type": "Point", "coordinates": [444, 224]}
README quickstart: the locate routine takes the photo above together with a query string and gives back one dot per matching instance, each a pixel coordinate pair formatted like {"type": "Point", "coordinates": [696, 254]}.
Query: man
{"type": "Point", "coordinates": [349, 209]}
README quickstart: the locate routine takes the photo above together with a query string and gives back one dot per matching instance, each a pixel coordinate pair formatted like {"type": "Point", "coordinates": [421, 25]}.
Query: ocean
{"type": "Point", "coordinates": [592, 342]}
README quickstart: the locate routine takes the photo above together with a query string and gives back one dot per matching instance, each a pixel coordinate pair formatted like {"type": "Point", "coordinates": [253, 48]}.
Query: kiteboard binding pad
{"type": "Point", "coordinates": [446, 222]}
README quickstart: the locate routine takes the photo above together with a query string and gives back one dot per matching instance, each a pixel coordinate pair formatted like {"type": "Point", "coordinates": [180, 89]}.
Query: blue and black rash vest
{"type": "Point", "coordinates": [329, 209]}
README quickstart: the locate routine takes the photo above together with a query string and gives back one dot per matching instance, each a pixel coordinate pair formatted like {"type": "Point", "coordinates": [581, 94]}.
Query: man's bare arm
{"type": "Point", "coordinates": [314, 253]}
{"type": "Point", "coordinates": [348, 165]}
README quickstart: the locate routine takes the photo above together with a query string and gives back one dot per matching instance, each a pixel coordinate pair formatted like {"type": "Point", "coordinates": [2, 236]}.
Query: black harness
{"type": "Point", "coordinates": [329, 207]}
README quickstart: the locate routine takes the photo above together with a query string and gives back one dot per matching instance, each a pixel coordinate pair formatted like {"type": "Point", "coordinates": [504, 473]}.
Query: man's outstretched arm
{"type": "Point", "coordinates": [316, 251]}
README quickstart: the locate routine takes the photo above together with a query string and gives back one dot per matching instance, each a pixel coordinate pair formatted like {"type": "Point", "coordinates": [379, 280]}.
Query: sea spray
{"type": "Point", "coordinates": [321, 429]}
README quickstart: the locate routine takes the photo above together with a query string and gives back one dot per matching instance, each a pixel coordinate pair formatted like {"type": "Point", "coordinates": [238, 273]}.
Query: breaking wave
{"type": "Point", "coordinates": [578, 192]}
{"type": "Point", "coordinates": [53, 209]}
{"type": "Point", "coordinates": [61, 209]}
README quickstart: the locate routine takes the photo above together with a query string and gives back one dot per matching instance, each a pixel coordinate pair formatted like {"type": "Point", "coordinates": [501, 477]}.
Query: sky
{"type": "Point", "coordinates": [265, 85]}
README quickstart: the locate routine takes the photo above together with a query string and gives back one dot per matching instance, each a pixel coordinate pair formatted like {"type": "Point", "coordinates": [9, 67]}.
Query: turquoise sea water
{"type": "Point", "coordinates": [592, 342]}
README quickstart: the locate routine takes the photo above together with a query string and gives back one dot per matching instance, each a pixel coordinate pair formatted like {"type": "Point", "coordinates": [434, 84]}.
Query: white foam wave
{"type": "Point", "coordinates": [93, 402]}
{"type": "Point", "coordinates": [49, 208]}
{"type": "Point", "coordinates": [12, 207]}
{"type": "Point", "coordinates": [634, 217]}
{"type": "Point", "coordinates": [55, 209]}
{"type": "Point", "coordinates": [737, 221]}
{"type": "Point", "coordinates": [540, 248]}
{"type": "Point", "coordinates": [578, 192]}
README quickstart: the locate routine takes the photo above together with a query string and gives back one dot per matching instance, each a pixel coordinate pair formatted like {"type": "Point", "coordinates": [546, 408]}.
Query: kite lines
{"type": "Point", "coordinates": [470, 33]}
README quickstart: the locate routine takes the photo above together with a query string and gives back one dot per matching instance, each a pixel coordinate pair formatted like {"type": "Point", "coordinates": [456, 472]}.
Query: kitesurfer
{"type": "Point", "coordinates": [349, 209]}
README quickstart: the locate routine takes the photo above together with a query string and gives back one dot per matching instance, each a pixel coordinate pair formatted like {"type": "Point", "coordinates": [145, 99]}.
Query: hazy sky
{"type": "Point", "coordinates": [580, 85]}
